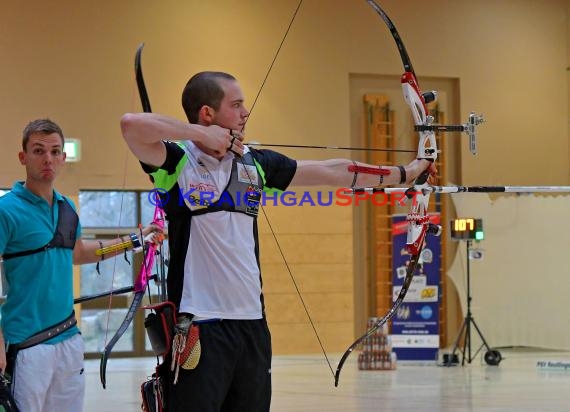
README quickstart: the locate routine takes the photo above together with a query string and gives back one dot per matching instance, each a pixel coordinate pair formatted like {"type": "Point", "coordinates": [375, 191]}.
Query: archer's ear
{"type": "Point", "coordinates": [206, 115]}
{"type": "Point", "coordinates": [22, 157]}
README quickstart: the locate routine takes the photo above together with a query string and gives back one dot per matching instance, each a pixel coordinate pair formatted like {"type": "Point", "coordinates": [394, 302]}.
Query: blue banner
{"type": "Point", "coordinates": [415, 326]}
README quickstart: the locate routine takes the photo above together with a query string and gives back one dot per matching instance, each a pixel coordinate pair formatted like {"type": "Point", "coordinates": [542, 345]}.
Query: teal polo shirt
{"type": "Point", "coordinates": [40, 286]}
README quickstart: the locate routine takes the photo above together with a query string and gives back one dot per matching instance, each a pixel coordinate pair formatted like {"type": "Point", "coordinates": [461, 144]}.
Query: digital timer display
{"type": "Point", "coordinates": [466, 228]}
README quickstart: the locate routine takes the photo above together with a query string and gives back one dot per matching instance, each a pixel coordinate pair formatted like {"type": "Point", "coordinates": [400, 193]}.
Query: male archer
{"type": "Point", "coordinates": [214, 277]}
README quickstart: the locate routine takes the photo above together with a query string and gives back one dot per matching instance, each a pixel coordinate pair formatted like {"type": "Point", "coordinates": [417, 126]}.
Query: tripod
{"type": "Point", "coordinates": [492, 357]}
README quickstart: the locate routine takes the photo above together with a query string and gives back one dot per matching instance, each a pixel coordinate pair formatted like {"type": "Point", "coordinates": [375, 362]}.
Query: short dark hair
{"type": "Point", "coordinates": [203, 89]}
{"type": "Point", "coordinates": [44, 126]}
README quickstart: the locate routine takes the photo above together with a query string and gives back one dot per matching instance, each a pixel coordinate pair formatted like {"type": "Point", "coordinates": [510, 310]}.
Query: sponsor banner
{"type": "Point", "coordinates": [415, 326]}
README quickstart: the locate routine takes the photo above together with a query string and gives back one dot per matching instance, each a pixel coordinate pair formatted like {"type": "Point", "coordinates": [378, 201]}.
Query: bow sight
{"type": "Point", "coordinates": [467, 127]}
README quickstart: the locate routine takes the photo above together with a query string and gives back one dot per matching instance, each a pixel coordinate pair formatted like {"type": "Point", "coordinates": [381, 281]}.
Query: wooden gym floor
{"type": "Point", "coordinates": [305, 384]}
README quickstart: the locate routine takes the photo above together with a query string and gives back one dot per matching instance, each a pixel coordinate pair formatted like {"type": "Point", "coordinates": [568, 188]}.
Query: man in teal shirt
{"type": "Point", "coordinates": [39, 242]}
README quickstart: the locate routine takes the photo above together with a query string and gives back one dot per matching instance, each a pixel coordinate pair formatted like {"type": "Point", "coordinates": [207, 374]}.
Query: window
{"type": "Point", "coordinates": [108, 209]}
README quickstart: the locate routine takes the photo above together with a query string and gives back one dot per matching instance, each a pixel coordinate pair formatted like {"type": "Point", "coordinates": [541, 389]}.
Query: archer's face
{"type": "Point", "coordinates": [232, 113]}
{"type": "Point", "coordinates": [43, 157]}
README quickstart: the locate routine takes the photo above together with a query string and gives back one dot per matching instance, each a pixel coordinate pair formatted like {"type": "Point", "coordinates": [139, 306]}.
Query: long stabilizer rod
{"type": "Point", "coordinates": [464, 189]}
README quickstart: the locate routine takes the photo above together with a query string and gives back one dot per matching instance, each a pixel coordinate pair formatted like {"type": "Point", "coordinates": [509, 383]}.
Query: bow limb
{"type": "Point", "coordinates": [380, 322]}
{"type": "Point", "coordinates": [418, 218]}
{"type": "Point", "coordinates": [150, 249]}
{"type": "Point", "coordinates": [145, 101]}
{"type": "Point", "coordinates": [120, 331]}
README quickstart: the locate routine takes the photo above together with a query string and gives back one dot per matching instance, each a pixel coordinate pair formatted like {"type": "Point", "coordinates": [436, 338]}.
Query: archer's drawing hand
{"type": "Point", "coordinates": [221, 140]}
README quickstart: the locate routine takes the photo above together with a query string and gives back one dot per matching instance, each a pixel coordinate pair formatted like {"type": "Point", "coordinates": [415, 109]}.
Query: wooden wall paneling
{"type": "Point", "coordinates": [321, 266]}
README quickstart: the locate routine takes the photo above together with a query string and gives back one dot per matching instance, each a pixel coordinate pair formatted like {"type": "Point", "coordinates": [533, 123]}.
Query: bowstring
{"type": "Point", "coordinates": [123, 186]}
{"type": "Point", "coordinates": [256, 99]}
{"type": "Point", "coordinates": [291, 21]}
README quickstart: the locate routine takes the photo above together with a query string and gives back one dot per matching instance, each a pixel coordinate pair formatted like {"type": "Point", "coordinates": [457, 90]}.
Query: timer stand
{"type": "Point", "coordinates": [492, 356]}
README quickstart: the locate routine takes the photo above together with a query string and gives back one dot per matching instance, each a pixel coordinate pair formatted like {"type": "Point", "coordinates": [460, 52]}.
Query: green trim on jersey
{"type": "Point", "coordinates": [266, 189]}
{"type": "Point", "coordinates": [166, 181]}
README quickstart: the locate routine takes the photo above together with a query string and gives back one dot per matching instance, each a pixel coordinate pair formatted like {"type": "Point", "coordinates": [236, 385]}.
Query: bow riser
{"type": "Point", "coordinates": [409, 86]}
{"type": "Point", "coordinates": [414, 98]}
{"type": "Point", "coordinates": [145, 275]}
{"type": "Point", "coordinates": [418, 218]}
{"type": "Point", "coordinates": [417, 230]}
{"type": "Point", "coordinates": [142, 280]}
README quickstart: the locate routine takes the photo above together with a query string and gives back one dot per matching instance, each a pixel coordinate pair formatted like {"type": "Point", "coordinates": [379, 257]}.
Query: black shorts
{"type": "Point", "coordinates": [234, 371]}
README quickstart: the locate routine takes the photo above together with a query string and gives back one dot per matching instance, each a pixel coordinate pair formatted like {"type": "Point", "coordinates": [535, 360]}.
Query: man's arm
{"type": "Point", "coordinates": [84, 250]}
{"type": "Point", "coordinates": [144, 133]}
{"type": "Point", "coordinates": [334, 172]}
